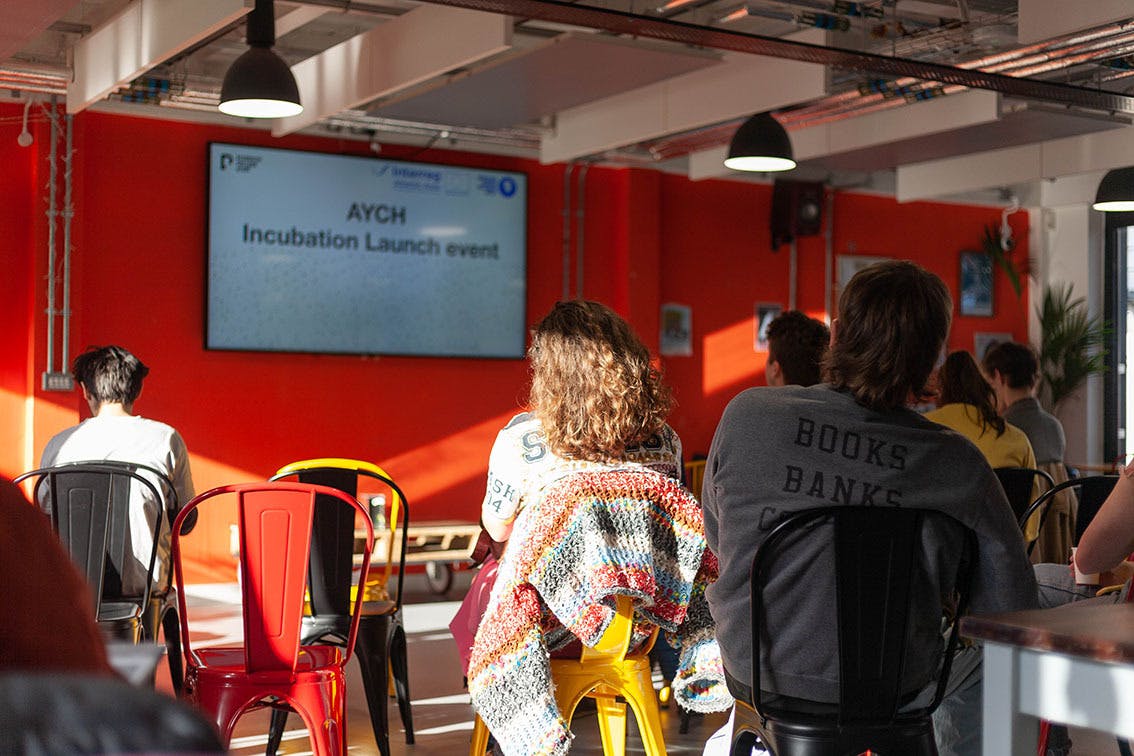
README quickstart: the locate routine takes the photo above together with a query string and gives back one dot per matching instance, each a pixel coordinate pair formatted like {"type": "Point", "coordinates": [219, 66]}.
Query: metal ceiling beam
{"type": "Point", "coordinates": [619, 22]}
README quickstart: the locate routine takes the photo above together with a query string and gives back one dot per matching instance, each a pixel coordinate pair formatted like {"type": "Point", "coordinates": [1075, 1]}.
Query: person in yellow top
{"type": "Point", "coordinates": [967, 404]}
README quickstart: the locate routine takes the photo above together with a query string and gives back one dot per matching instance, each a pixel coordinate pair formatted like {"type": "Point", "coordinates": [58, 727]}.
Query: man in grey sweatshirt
{"type": "Point", "coordinates": [852, 441]}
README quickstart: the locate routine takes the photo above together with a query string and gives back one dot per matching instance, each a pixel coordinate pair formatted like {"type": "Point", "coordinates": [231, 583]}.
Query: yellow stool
{"type": "Point", "coordinates": [602, 673]}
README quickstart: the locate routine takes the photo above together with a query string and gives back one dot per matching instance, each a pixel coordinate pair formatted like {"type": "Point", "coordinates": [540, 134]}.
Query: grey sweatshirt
{"type": "Point", "coordinates": [781, 450]}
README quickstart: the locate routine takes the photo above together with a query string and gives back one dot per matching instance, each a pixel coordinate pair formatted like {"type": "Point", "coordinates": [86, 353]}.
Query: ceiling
{"type": "Point", "coordinates": [886, 93]}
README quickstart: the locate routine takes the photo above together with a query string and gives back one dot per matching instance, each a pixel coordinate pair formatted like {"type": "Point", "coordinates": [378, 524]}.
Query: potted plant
{"type": "Point", "coordinates": [1071, 345]}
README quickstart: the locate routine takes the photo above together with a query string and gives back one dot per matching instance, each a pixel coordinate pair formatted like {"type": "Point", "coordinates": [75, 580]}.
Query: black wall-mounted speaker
{"type": "Point", "coordinates": [797, 210]}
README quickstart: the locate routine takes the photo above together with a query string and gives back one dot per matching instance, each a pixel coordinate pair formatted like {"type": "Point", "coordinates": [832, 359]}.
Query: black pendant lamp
{"type": "Point", "coordinates": [1116, 191]}
{"type": "Point", "coordinates": [259, 83]}
{"type": "Point", "coordinates": [760, 144]}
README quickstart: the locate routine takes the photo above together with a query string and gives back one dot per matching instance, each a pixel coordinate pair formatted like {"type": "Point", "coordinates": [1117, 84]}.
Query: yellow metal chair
{"type": "Point", "coordinates": [381, 639]}
{"type": "Point", "coordinates": [604, 673]}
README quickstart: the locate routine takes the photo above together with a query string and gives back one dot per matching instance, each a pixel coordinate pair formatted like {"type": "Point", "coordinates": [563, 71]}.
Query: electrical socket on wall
{"type": "Point", "coordinates": [58, 382]}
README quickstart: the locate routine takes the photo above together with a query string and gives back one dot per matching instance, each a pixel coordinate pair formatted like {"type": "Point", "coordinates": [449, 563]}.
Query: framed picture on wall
{"type": "Point", "coordinates": [976, 284]}
{"type": "Point", "coordinates": [676, 330]}
{"type": "Point", "coordinates": [766, 312]}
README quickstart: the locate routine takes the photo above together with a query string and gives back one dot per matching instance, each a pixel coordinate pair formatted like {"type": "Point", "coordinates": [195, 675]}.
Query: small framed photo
{"type": "Point", "coordinates": [976, 284]}
{"type": "Point", "coordinates": [676, 330]}
{"type": "Point", "coordinates": [766, 312]}
{"type": "Point", "coordinates": [982, 340]}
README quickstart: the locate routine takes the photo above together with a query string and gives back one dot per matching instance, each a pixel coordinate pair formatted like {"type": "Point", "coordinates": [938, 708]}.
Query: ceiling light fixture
{"type": "Point", "coordinates": [25, 137]}
{"type": "Point", "coordinates": [760, 144]}
{"type": "Point", "coordinates": [1116, 191]}
{"type": "Point", "coordinates": [259, 83]}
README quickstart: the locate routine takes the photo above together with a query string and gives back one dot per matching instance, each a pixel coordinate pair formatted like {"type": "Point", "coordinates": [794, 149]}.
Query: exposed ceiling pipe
{"type": "Point", "coordinates": [995, 63]}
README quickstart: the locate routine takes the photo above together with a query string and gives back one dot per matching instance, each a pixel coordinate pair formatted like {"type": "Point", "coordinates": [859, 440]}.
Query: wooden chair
{"type": "Point", "coordinates": [381, 637]}
{"type": "Point", "coordinates": [271, 668]}
{"type": "Point", "coordinates": [606, 673]}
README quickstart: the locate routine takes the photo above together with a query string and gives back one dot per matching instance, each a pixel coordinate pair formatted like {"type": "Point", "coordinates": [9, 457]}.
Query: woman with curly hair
{"type": "Point", "coordinates": [596, 403]}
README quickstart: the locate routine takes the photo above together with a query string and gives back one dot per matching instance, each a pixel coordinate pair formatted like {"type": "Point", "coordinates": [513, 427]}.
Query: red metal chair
{"type": "Point", "coordinates": [271, 668]}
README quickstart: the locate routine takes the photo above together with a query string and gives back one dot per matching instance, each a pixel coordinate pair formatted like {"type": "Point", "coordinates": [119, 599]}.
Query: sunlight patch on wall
{"type": "Point", "coordinates": [443, 463]}
{"type": "Point", "coordinates": [729, 358]}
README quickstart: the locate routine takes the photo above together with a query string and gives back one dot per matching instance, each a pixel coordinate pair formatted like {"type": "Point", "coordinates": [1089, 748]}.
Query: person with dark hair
{"type": "Point", "coordinates": [967, 404]}
{"type": "Point", "coordinates": [796, 345]}
{"type": "Point", "coordinates": [855, 441]}
{"type": "Point", "coordinates": [110, 378]}
{"type": "Point", "coordinates": [1013, 371]}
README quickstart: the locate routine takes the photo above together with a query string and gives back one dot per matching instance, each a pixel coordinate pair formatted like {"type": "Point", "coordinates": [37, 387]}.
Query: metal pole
{"type": "Point", "coordinates": [580, 218]}
{"type": "Point", "coordinates": [567, 230]}
{"type": "Point", "coordinates": [51, 214]}
{"type": "Point", "coordinates": [68, 214]}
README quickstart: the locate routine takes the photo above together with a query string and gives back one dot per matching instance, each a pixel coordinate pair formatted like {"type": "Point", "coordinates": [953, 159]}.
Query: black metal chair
{"type": "Point", "coordinates": [1092, 491]}
{"type": "Point", "coordinates": [381, 642]}
{"type": "Point", "coordinates": [159, 608]}
{"type": "Point", "coordinates": [876, 550]}
{"type": "Point", "coordinates": [1018, 484]}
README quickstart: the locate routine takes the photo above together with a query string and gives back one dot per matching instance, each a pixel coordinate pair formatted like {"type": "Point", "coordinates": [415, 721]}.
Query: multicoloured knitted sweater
{"type": "Point", "coordinates": [590, 537]}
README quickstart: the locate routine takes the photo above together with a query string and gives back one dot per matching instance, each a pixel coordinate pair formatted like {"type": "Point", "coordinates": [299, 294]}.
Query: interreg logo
{"type": "Point", "coordinates": [491, 185]}
{"type": "Point", "coordinates": [416, 179]}
{"type": "Point", "coordinates": [238, 163]}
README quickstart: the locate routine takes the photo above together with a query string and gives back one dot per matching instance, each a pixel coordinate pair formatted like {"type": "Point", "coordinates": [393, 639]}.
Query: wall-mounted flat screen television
{"type": "Point", "coordinates": [310, 252]}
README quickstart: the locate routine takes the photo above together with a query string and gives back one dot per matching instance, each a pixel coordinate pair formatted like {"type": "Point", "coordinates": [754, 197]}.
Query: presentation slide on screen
{"type": "Point", "coordinates": [311, 252]}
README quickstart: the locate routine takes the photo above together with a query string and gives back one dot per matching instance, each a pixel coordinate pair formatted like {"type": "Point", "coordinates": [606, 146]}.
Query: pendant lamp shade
{"type": "Point", "coordinates": [1116, 191]}
{"type": "Point", "coordinates": [760, 144]}
{"type": "Point", "coordinates": [259, 83]}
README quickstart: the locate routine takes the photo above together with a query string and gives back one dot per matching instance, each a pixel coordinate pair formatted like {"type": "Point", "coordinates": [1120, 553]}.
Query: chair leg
{"type": "Point", "coordinates": [276, 731]}
{"type": "Point", "coordinates": [171, 626]}
{"type": "Point", "coordinates": [400, 662]}
{"type": "Point", "coordinates": [639, 692]}
{"type": "Point", "coordinates": [479, 737]}
{"type": "Point", "coordinates": [612, 724]}
{"type": "Point", "coordinates": [323, 709]}
{"type": "Point", "coordinates": [370, 648]}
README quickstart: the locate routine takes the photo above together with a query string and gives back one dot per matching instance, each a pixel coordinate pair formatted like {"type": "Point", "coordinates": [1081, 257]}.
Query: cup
{"type": "Point", "coordinates": [1083, 578]}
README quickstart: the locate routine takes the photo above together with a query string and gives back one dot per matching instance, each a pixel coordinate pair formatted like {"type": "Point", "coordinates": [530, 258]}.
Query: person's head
{"type": "Point", "coordinates": [960, 382]}
{"type": "Point", "coordinates": [109, 375]}
{"type": "Point", "coordinates": [594, 389]}
{"type": "Point", "coordinates": [1012, 369]}
{"type": "Point", "coordinates": [796, 344]}
{"type": "Point", "coordinates": [893, 320]}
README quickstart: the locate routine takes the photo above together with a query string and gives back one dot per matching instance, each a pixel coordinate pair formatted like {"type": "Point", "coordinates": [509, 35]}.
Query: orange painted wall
{"type": "Point", "coordinates": [650, 238]}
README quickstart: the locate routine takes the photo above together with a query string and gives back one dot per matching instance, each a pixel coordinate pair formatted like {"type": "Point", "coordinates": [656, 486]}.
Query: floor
{"type": "Point", "coordinates": [441, 711]}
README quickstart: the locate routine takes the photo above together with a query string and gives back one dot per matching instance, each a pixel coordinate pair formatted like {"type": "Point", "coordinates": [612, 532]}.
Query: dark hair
{"type": "Point", "coordinates": [894, 317]}
{"type": "Point", "coordinates": [960, 382]}
{"type": "Point", "coordinates": [798, 343]}
{"type": "Point", "coordinates": [110, 374]}
{"type": "Point", "coordinates": [594, 388]}
{"type": "Point", "coordinates": [1016, 362]}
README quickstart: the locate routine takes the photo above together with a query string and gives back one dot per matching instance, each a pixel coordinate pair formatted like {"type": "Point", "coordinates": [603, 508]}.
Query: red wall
{"type": "Point", "coordinates": [650, 238]}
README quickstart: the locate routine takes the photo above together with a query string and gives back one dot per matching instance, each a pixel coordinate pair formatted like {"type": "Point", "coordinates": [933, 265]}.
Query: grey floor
{"type": "Point", "coordinates": [441, 711]}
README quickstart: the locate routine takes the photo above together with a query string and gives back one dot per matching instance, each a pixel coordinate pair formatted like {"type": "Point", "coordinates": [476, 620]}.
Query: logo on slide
{"type": "Point", "coordinates": [507, 186]}
{"type": "Point", "coordinates": [238, 163]}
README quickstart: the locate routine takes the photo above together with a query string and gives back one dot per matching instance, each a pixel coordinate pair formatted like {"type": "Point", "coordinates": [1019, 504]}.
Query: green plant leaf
{"type": "Point", "coordinates": [1072, 341]}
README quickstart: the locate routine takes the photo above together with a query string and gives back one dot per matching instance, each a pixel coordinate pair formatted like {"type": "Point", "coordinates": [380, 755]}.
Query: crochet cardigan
{"type": "Point", "coordinates": [591, 536]}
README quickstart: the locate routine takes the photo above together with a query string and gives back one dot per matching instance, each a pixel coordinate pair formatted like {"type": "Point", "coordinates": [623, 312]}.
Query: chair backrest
{"type": "Point", "coordinates": [275, 520]}
{"type": "Point", "coordinates": [330, 571]}
{"type": "Point", "coordinates": [876, 550]}
{"type": "Point", "coordinates": [695, 476]}
{"type": "Point", "coordinates": [615, 641]}
{"type": "Point", "coordinates": [1019, 484]}
{"type": "Point", "coordinates": [89, 506]}
{"type": "Point", "coordinates": [1093, 491]}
